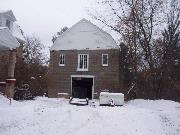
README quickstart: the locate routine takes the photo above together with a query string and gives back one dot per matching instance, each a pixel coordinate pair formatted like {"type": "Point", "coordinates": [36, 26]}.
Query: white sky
{"type": "Point", "coordinates": [44, 18]}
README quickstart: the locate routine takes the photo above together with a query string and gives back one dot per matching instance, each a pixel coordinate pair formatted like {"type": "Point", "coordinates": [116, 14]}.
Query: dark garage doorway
{"type": "Point", "coordinates": [82, 87]}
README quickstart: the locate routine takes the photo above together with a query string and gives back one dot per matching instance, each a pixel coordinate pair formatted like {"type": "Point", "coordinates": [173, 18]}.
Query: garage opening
{"type": "Point", "coordinates": [82, 87]}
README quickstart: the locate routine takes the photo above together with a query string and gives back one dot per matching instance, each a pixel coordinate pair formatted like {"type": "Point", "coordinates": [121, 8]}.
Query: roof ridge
{"type": "Point", "coordinates": [99, 28]}
{"type": "Point", "coordinates": [60, 36]}
{"type": "Point", "coordinates": [84, 19]}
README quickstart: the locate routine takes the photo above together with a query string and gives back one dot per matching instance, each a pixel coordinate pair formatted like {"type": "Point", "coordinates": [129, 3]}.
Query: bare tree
{"type": "Point", "coordinates": [63, 29]}
{"type": "Point", "coordinates": [32, 50]}
{"type": "Point", "coordinates": [137, 22]}
{"type": "Point", "coordinates": [170, 62]}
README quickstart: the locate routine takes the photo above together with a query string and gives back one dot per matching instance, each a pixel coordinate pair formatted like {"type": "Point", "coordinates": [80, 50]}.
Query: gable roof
{"type": "Point", "coordinates": [82, 36]}
{"type": "Point", "coordinates": [7, 40]}
{"type": "Point", "coordinates": [9, 13]}
{"type": "Point", "coordinates": [16, 30]}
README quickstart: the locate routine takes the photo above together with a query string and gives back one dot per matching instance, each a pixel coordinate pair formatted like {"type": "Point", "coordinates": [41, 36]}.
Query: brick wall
{"type": "Point", "coordinates": [105, 77]}
{"type": "Point", "coordinates": [4, 58]}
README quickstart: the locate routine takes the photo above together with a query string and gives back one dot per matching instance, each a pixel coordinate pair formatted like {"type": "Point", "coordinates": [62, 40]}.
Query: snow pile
{"type": "Point", "coordinates": [84, 36]}
{"type": "Point", "coordinates": [57, 116]}
{"type": "Point", "coordinates": [3, 101]}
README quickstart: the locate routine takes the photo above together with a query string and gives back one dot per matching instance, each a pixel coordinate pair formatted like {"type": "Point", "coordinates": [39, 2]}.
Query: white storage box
{"type": "Point", "coordinates": [107, 98]}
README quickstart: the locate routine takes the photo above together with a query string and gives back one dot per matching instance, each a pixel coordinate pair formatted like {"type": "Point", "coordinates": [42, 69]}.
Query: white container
{"type": "Point", "coordinates": [107, 98]}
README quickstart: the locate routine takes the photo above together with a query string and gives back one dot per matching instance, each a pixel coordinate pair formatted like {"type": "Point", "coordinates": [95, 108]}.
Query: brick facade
{"type": "Point", "coordinates": [104, 77]}
{"type": "Point", "coordinates": [4, 60]}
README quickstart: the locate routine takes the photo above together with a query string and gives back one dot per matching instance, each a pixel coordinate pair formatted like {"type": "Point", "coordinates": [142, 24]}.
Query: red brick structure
{"type": "Point", "coordinates": [84, 57]}
{"type": "Point", "coordinates": [4, 58]}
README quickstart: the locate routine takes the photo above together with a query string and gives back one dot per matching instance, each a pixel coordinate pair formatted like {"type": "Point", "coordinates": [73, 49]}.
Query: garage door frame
{"type": "Point", "coordinates": [84, 76]}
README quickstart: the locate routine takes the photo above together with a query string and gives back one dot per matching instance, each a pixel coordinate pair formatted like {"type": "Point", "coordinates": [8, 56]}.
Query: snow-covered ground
{"type": "Point", "coordinates": [57, 117]}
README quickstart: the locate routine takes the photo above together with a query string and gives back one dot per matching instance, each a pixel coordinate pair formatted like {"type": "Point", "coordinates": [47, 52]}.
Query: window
{"type": "Point", "coordinates": [104, 59]}
{"type": "Point", "coordinates": [8, 23]}
{"type": "Point", "coordinates": [62, 60]}
{"type": "Point", "coordinates": [83, 62]}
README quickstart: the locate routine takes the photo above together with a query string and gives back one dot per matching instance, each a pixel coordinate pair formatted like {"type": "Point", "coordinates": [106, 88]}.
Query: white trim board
{"type": "Point", "coordinates": [83, 76]}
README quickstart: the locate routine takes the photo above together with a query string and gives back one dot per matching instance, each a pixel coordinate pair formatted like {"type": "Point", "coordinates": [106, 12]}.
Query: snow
{"type": "Point", "coordinates": [14, 28]}
{"type": "Point", "coordinates": [7, 40]}
{"type": "Point", "coordinates": [56, 116]}
{"type": "Point", "coordinates": [17, 32]}
{"type": "Point", "coordinates": [84, 36]}
{"type": "Point", "coordinates": [11, 79]}
{"type": "Point", "coordinates": [62, 93]}
{"type": "Point", "coordinates": [9, 13]}
{"type": "Point", "coordinates": [3, 11]}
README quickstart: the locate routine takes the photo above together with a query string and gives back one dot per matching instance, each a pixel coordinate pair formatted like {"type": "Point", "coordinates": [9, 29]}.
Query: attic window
{"type": "Point", "coordinates": [62, 60]}
{"type": "Point", "coordinates": [104, 59]}
{"type": "Point", "coordinates": [83, 62]}
{"type": "Point", "coordinates": [8, 23]}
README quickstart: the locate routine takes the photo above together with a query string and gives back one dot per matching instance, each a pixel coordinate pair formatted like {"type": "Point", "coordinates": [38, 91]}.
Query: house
{"type": "Point", "coordinates": [10, 38]}
{"type": "Point", "coordinates": [84, 57]}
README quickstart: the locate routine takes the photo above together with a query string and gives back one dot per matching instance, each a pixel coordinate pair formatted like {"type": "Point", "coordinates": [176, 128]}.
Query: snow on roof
{"type": "Point", "coordinates": [17, 32]}
{"type": "Point", "coordinates": [4, 11]}
{"type": "Point", "coordinates": [9, 12]}
{"type": "Point", "coordinates": [7, 40]}
{"type": "Point", "coordinates": [84, 35]}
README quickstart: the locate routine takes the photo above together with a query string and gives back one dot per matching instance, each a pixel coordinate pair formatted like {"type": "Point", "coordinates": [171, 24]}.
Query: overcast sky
{"type": "Point", "coordinates": [45, 17]}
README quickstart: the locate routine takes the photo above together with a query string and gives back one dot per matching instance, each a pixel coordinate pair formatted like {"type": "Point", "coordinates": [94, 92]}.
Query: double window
{"type": "Point", "coordinates": [83, 62]}
{"type": "Point", "coordinates": [62, 60]}
{"type": "Point", "coordinates": [104, 59]}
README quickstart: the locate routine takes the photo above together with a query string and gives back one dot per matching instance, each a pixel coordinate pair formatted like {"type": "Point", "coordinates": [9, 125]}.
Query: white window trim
{"type": "Point", "coordinates": [62, 65]}
{"type": "Point", "coordinates": [105, 65]}
{"type": "Point", "coordinates": [81, 69]}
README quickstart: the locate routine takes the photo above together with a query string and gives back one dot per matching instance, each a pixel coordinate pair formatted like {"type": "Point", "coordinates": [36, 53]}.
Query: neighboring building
{"type": "Point", "coordinates": [84, 57]}
{"type": "Point", "coordinates": [11, 36]}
